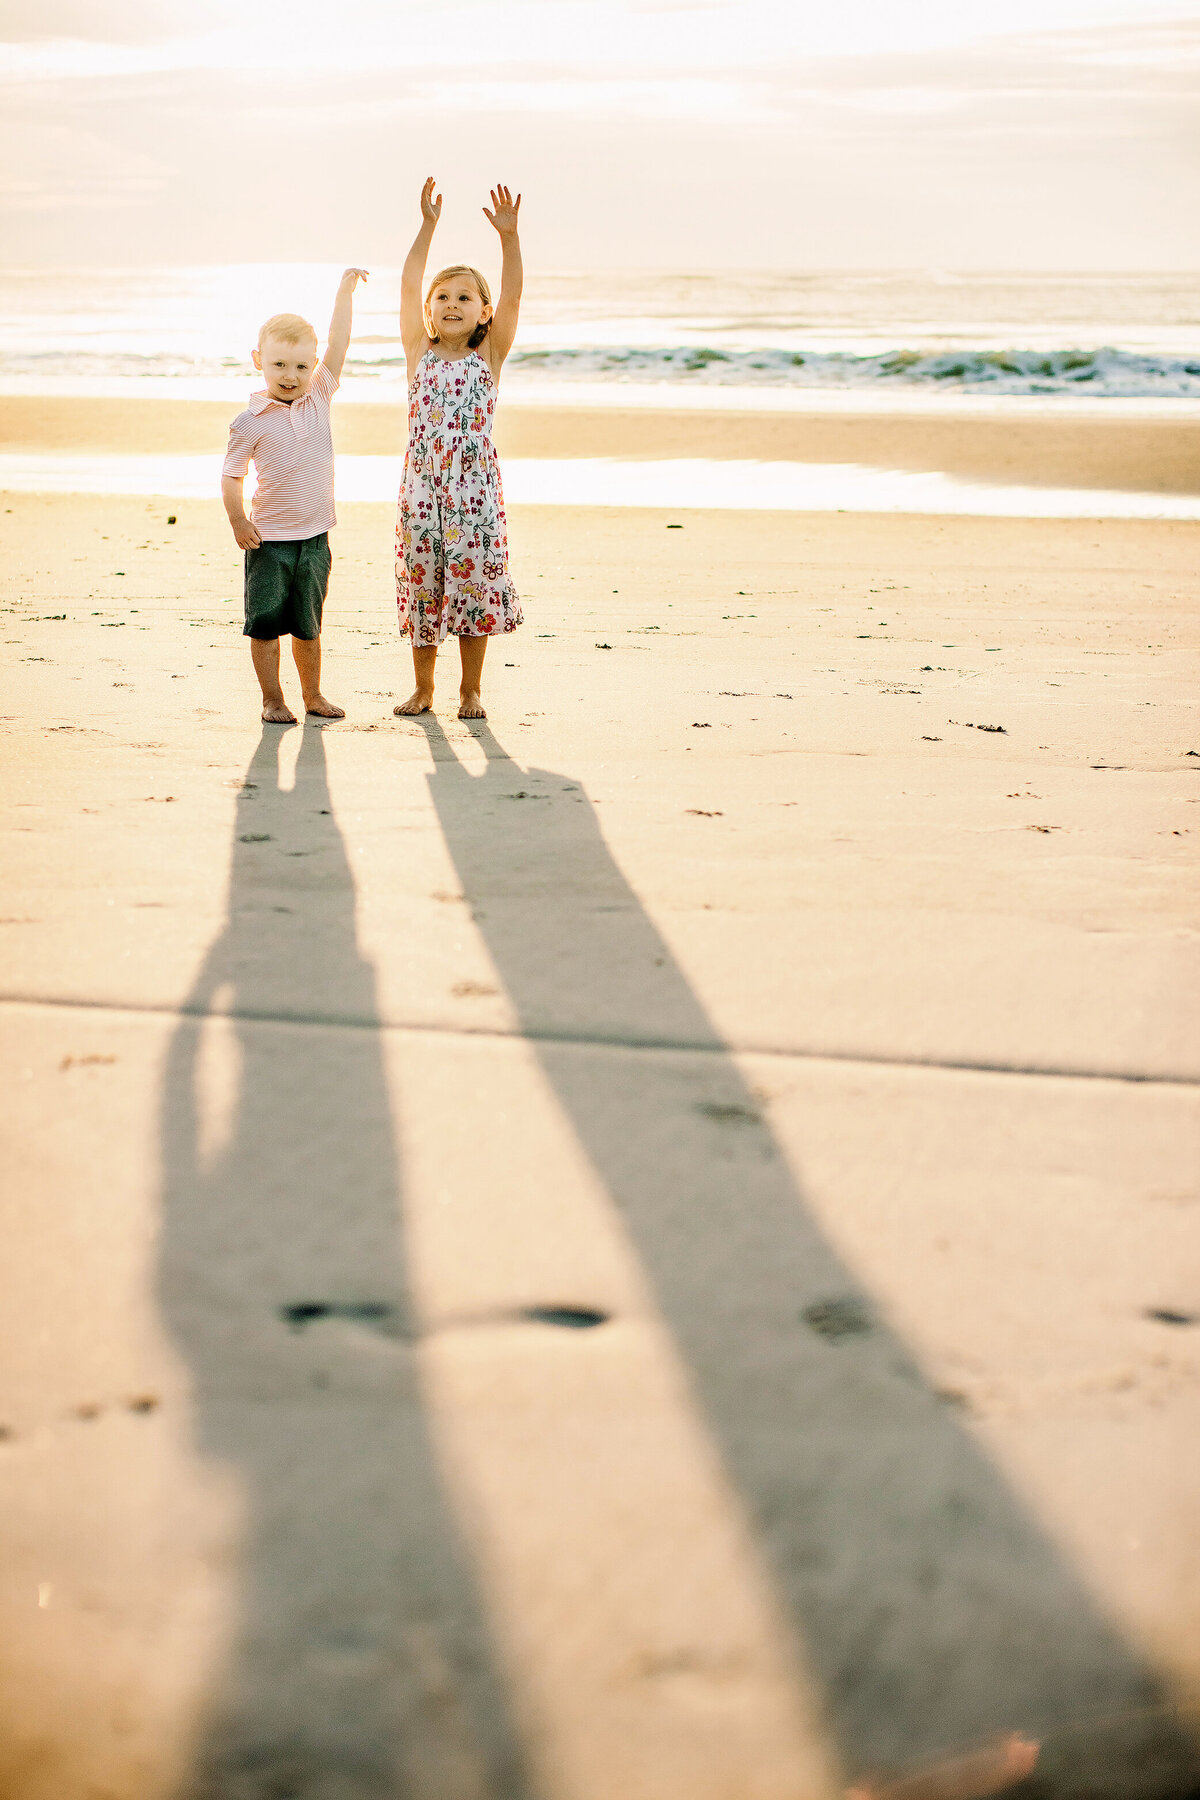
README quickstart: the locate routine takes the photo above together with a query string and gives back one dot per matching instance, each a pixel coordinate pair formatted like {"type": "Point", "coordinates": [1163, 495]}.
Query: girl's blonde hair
{"type": "Point", "coordinates": [485, 294]}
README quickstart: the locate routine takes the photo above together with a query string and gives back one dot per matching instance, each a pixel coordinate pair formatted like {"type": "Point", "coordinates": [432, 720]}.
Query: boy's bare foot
{"type": "Point", "coordinates": [471, 707]}
{"type": "Point", "coordinates": [418, 702]}
{"type": "Point", "coordinates": [321, 708]}
{"type": "Point", "coordinates": [278, 715]}
{"type": "Point", "coordinates": [975, 1776]}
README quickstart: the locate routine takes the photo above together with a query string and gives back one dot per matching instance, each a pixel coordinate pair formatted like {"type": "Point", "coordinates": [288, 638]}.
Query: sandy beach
{"type": "Point", "coordinates": [1145, 452]}
{"type": "Point", "coordinates": [643, 1249]}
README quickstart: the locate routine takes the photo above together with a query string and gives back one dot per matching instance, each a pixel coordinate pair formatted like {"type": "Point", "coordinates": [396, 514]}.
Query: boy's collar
{"type": "Point", "coordinates": [259, 402]}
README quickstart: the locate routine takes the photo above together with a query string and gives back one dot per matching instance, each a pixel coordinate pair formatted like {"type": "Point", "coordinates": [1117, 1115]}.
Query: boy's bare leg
{"type": "Point", "coordinates": [264, 653]}
{"type": "Point", "coordinates": [421, 698]}
{"type": "Point", "coordinates": [307, 652]}
{"type": "Point", "coordinates": [472, 650]}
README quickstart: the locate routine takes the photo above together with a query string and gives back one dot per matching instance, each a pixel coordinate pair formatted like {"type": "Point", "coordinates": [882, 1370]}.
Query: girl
{"type": "Point", "coordinates": [451, 539]}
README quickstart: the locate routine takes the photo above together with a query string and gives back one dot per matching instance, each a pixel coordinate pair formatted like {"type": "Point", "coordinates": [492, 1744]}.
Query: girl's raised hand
{"type": "Point", "coordinates": [504, 212]}
{"type": "Point", "coordinates": [431, 203]}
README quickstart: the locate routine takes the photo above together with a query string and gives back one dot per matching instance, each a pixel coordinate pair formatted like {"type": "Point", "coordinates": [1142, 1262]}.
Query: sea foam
{"type": "Point", "coordinates": [1110, 372]}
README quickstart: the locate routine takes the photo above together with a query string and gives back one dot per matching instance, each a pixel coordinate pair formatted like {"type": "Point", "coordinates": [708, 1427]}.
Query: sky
{"type": "Point", "coordinates": [706, 134]}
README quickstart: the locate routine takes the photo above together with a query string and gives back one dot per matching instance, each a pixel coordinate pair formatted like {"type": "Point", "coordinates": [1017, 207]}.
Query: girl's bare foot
{"type": "Point", "coordinates": [418, 702]}
{"type": "Point", "coordinates": [278, 715]}
{"type": "Point", "coordinates": [470, 706]}
{"type": "Point", "coordinates": [321, 708]}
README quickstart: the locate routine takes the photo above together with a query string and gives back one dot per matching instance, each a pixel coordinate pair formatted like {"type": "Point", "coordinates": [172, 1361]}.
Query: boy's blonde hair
{"type": "Point", "coordinates": [485, 294]}
{"type": "Point", "coordinates": [288, 328]}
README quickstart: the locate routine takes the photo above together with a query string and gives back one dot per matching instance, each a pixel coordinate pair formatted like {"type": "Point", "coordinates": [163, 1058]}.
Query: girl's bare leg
{"type": "Point", "coordinates": [421, 699]}
{"type": "Point", "coordinates": [472, 650]}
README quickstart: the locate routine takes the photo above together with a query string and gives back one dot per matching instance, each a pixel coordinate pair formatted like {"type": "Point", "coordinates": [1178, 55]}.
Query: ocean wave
{"type": "Point", "coordinates": [1108, 373]}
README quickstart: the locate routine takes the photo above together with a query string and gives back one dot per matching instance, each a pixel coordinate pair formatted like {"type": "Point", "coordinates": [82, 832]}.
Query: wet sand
{"type": "Point", "coordinates": [1133, 453]}
{"type": "Point", "coordinates": [643, 1249]}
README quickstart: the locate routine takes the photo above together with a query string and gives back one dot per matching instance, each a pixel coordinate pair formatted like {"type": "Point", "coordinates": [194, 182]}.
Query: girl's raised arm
{"type": "Point", "coordinates": [412, 314]}
{"type": "Point", "coordinates": [503, 216]}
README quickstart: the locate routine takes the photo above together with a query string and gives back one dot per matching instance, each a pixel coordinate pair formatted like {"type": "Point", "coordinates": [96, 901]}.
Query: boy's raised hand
{"type": "Point", "coordinates": [504, 212]}
{"type": "Point", "coordinates": [431, 203]}
{"type": "Point", "coordinates": [352, 277]}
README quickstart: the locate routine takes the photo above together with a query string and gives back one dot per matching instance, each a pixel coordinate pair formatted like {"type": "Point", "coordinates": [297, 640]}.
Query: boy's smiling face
{"type": "Point", "coordinates": [286, 368]}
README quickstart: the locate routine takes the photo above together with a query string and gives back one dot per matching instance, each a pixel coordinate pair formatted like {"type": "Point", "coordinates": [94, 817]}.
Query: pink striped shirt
{"type": "Point", "coordinates": [291, 447]}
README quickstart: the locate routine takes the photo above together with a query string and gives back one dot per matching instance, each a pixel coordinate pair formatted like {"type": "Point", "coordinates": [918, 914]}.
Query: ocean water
{"type": "Point", "coordinates": [765, 333]}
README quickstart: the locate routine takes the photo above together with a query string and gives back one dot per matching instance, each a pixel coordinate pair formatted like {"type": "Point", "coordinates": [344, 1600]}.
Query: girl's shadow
{"type": "Point", "coordinates": [931, 1604]}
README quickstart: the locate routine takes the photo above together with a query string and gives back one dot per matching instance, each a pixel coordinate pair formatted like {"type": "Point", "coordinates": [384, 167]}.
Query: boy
{"type": "Point", "coordinates": [285, 432]}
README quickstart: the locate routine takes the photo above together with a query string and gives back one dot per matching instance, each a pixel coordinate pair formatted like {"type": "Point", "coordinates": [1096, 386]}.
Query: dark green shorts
{"type": "Point", "coordinates": [286, 584]}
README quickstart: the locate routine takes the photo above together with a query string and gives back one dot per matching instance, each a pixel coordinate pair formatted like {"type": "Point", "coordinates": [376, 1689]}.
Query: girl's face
{"type": "Point", "coordinates": [456, 308]}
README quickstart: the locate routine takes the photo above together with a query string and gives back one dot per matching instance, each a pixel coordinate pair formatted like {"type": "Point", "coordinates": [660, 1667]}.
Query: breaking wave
{"type": "Point", "coordinates": [1109, 372]}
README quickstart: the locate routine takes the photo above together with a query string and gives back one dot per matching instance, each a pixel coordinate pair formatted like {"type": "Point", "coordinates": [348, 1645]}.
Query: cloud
{"type": "Point", "coordinates": [1097, 84]}
{"type": "Point", "coordinates": [1172, 47]}
{"type": "Point", "coordinates": [596, 97]}
{"type": "Point", "coordinates": [88, 21]}
{"type": "Point", "coordinates": [1056, 149]}
{"type": "Point", "coordinates": [72, 167]}
{"type": "Point", "coordinates": [667, 38]}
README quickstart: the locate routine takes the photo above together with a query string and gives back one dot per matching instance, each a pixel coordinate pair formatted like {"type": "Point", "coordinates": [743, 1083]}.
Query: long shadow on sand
{"type": "Point", "coordinates": [361, 1667]}
{"type": "Point", "coordinates": [931, 1605]}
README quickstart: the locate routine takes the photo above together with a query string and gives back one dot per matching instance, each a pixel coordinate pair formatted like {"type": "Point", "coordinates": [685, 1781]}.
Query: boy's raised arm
{"type": "Point", "coordinates": [340, 323]}
{"type": "Point", "coordinates": [412, 300]}
{"type": "Point", "coordinates": [503, 217]}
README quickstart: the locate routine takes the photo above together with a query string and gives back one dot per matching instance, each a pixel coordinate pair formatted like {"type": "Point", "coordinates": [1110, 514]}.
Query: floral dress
{"type": "Point", "coordinates": [452, 574]}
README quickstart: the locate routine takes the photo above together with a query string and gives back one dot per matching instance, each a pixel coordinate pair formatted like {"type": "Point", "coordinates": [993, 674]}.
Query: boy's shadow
{"type": "Point", "coordinates": [362, 1666]}
{"type": "Point", "coordinates": [932, 1606]}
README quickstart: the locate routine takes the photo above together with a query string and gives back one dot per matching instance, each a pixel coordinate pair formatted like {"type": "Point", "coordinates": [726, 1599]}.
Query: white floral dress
{"type": "Point", "coordinates": [452, 574]}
